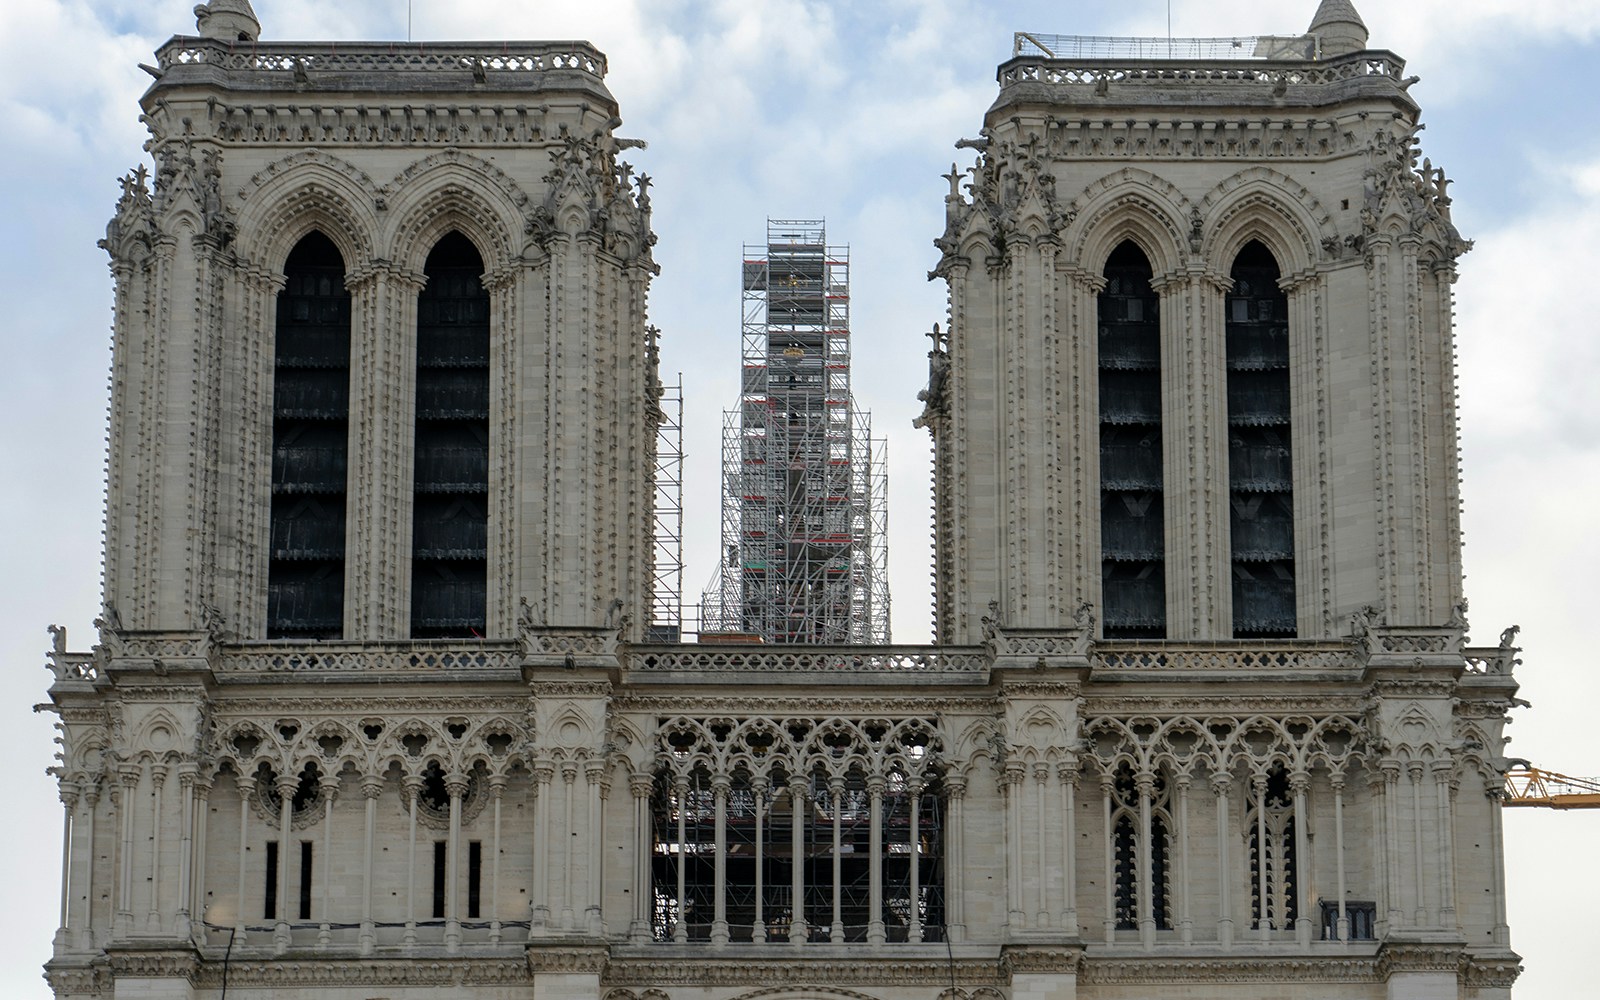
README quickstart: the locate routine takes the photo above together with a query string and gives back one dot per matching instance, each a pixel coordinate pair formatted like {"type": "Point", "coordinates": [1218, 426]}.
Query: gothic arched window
{"type": "Point", "coordinates": [310, 443]}
{"type": "Point", "coordinates": [1274, 867]}
{"type": "Point", "coordinates": [1129, 837]}
{"type": "Point", "coordinates": [1132, 536]}
{"type": "Point", "coordinates": [449, 569]}
{"type": "Point", "coordinates": [1260, 481]}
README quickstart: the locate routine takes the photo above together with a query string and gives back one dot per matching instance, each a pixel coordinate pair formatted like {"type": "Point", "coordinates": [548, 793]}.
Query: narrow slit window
{"type": "Point", "coordinates": [474, 878]}
{"type": "Point", "coordinates": [269, 907]}
{"type": "Point", "coordinates": [305, 880]}
{"type": "Point", "coordinates": [438, 878]}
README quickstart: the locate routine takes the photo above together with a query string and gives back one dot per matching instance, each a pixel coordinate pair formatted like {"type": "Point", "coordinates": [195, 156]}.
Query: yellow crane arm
{"type": "Point", "coordinates": [1527, 785]}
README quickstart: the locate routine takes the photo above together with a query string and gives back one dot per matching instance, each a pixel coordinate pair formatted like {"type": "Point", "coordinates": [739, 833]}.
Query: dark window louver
{"type": "Point", "coordinates": [1260, 459]}
{"type": "Point", "coordinates": [310, 445]}
{"type": "Point", "coordinates": [449, 568]}
{"type": "Point", "coordinates": [1132, 531]}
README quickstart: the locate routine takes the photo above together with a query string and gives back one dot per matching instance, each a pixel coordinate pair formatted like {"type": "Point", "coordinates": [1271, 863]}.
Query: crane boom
{"type": "Point", "coordinates": [1527, 785]}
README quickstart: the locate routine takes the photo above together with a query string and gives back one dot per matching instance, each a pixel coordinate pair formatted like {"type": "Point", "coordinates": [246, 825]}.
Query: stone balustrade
{"type": "Point", "coordinates": [384, 57]}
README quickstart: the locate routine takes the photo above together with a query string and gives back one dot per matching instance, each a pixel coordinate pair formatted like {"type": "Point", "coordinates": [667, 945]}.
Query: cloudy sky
{"type": "Point", "coordinates": [797, 109]}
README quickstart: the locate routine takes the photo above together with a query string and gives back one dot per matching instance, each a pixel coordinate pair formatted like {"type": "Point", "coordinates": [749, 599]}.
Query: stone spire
{"type": "Point", "coordinates": [229, 20]}
{"type": "Point", "coordinates": [1341, 28]}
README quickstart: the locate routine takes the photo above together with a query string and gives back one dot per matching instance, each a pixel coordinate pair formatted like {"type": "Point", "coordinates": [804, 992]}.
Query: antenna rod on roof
{"type": "Point", "coordinates": [408, 20]}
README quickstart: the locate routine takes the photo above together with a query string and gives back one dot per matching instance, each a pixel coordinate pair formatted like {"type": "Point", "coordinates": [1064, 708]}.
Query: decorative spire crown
{"type": "Point", "coordinates": [1340, 27]}
{"type": "Point", "coordinates": [229, 20]}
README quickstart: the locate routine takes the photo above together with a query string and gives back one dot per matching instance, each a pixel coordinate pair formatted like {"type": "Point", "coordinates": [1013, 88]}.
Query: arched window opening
{"type": "Point", "coordinates": [1260, 481]}
{"type": "Point", "coordinates": [450, 516]}
{"type": "Point", "coordinates": [1274, 869]}
{"type": "Point", "coordinates": [1132, 535]}
{"type": "Point", "coordinates": [310, 445]}
{"type": "Point", "coordinates": [1127, 837]}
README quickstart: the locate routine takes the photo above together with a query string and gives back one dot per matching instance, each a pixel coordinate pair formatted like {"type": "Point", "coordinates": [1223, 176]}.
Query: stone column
{"type": "Point", "coordinates": [955, 787]}
{"type": "Point", "coordinates": [1041, 773]}
{"type": "Point", "coordinates": [797, 853]}
{"type": "Point", "coordinates": [1067, 774]}
{"type": "Point", "coordinates": [597, 784]}
{"type": "Point", "coordinates": [89, 792]}
{"type": "Point", "coordinates": [330, 791]}
{"type": "Point", "coordinates": [197, 889]}
{"type": "Point", "coordinates": [758, 929]}
{"type": "Point", "coordinates": [836, 793]}
{"type": "Point", "coordinates": [455, 784]}
{"type": "Point", "coordinates": [1444, 787]}
{"type": "Point", "coordinates": [1342, 927]}
{"type": "Point", "coordinates": [643, 882]}
{"type": "Point", "coordinates": [371, 788]}
{"type": "Point", "coordinates": [1185, 884]}
{"type": "Point", "coordinates": [158, 781]}
{"type": "Point", "coordinates": [1145, 784]}
{"type": "Point", "coordinates": [680, 795]}
{"type": "Point", "coordinates": [1298, 783]}
{"type": "Point", "coordinates": [69, 805]}
{"type": "Point", "coordinates": [543, 772]}
{"type": "Point", "coordinates": [719, 906]}
{"type": "Point", "coordinates": [286, 786]}
{"type": "Point", "coordinates": [497, 789]}
{"type": "Point", "coordinates": [247, 788]}
{"type": "Point", "coordinates": [1220, 783]}
{"type": "Point", "coordinates": [1011, 787]}
{"type": "Point", "coordinates": [914, 795]}
{"type": "Point", "coordinates": [186, 778]}
{"type": "Point", "coordinates": [875, 929]}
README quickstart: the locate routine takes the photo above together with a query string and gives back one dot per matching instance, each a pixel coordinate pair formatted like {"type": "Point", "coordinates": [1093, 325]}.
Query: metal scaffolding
{"type": "Point", "coordinates": [804, 485]}
{"type": "Point", "coordinates": [666, 594]}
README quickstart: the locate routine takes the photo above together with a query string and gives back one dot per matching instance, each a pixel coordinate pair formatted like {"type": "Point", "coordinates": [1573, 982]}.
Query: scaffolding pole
{"type": "Point", "coordinates": [805, 490]}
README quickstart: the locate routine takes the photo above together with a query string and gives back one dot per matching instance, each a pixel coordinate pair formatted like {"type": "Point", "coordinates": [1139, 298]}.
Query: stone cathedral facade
{"type": "Point", "coordinates": [371, 713]}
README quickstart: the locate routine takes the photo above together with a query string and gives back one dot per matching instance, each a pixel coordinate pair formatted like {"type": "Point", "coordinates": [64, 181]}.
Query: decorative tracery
{"type": "Point", "coordinates": [801, 829]}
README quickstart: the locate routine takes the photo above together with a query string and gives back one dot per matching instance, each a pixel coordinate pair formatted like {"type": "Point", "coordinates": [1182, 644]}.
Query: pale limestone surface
{"type": "Point", "coordinates": [559, 732]}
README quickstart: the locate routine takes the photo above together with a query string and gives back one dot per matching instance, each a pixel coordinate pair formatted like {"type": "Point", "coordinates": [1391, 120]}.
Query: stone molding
{"type": "Point", "coordinates": [631, 971]}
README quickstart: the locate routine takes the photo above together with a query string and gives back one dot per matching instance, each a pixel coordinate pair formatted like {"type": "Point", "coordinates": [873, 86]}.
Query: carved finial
{"type": "Point", "coordinates": [228, 20]}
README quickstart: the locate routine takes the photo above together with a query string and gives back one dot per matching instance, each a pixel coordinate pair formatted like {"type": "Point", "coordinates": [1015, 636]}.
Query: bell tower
{"type": "Point", "coordinates": [381, 366]}
{"type": "Point", "coordinates": [1198, 379]}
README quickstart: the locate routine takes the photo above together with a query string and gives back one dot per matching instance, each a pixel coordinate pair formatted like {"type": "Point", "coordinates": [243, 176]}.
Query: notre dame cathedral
{"type": "Point", "coordinates": [373, 710]}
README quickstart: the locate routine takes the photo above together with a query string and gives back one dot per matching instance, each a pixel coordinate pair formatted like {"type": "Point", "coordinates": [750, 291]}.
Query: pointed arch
{"type": "Point", "coordinates": [1261, 204]}
{"type": "Point", "coordinates": [455, 192]}
{"type": "Point", "coordinates": [302, 192]}
{"type": "Point", "coordinates": [1131, 205]}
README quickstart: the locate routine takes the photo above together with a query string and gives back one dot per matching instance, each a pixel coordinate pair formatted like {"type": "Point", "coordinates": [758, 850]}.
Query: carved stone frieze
{"type": "Point", "coordinates": [346, 971]}
{"type": "Point", "coordinates": [1036, 959]}
{"type": "Point", "coordinates": [1394, 957]}
{"type": "Point", "coordinates": [567, 959]}
{"type": "Point", "coordinates": [166, 963]}
{"type": "Point", "coordinates": [1231, 970]}
{"type": "Point", "coordinates": [1491, 973]}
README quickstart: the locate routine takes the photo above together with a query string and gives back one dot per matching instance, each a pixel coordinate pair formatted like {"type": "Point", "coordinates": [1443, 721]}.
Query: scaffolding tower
{"type": "Point", "coordinates": [666, 592]}
{"type": "Point", "coordinates": [804, 484]}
